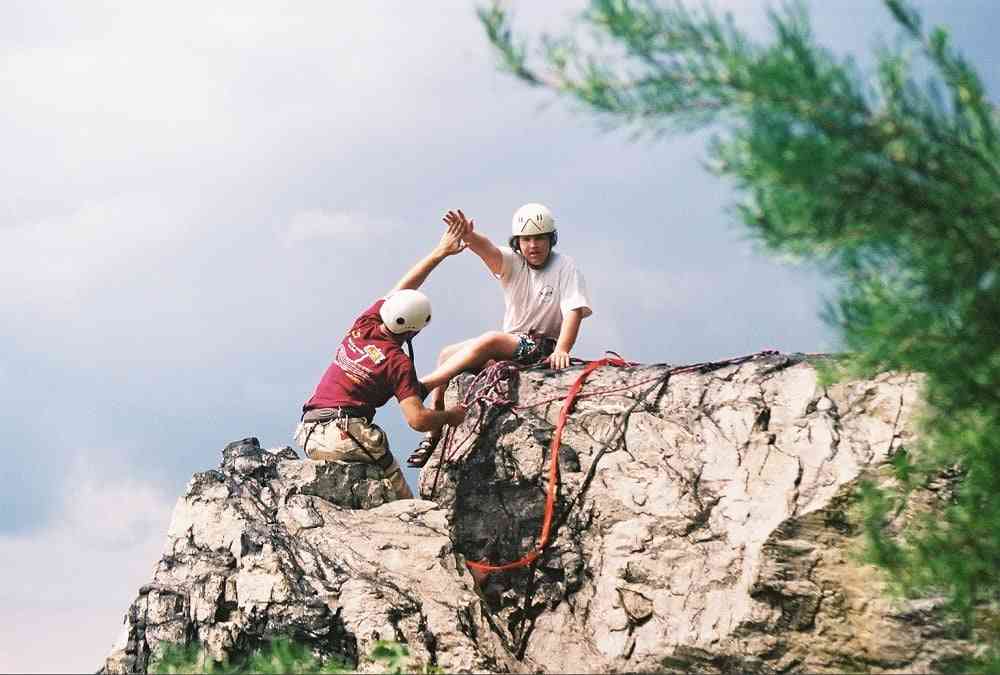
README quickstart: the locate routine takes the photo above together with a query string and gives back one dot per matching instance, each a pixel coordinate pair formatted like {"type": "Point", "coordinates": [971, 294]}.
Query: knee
{"type": "Point", "coordinates": [491, 340]}
{"type": "Point", "coordinates": [447, 352]}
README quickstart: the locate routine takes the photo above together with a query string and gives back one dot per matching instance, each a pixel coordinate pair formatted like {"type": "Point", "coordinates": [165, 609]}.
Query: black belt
{"type": "Point", "coordinates": [340, 412]}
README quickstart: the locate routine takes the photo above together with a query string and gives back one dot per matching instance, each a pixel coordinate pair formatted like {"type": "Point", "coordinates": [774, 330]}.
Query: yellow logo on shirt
{"type": "Point", "coordinates": [375, 354]}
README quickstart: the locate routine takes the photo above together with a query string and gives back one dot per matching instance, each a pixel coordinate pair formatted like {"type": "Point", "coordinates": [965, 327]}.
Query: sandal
{"type": "Point", "coordinates": [423, 453]}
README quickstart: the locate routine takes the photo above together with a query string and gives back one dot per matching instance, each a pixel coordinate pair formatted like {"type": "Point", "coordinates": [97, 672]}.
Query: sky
{"type": "Point", "coordinates": [199, 199]}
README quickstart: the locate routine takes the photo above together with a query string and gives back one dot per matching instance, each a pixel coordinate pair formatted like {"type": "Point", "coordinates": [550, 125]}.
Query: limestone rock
{"type": "Point", "coordinates": [702, 524]}
{"type": "Point", "coordinates": [270, 546]}
{"type": "Point", "coordinates": [705, 530]}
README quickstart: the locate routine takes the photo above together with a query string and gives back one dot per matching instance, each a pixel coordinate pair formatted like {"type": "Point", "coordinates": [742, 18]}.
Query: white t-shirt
{"type": "Point", "coordinates": [537, 300]}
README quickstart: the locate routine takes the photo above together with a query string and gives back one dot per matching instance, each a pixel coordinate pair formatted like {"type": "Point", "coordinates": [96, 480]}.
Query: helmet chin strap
{"type": "Point", "coordinates": [408, 340]}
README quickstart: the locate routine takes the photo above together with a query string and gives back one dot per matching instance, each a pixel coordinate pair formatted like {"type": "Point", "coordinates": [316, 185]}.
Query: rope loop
{"type": "Point", "coordinates": [480, 569]}
{"type": "Point", "coordinates": [494, 387]}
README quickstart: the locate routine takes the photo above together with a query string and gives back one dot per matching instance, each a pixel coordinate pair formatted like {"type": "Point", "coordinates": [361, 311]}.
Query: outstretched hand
{"type": "Point", "coordinates": [457, 222]}
{"type": "Point", "coordinates": [451, 241]}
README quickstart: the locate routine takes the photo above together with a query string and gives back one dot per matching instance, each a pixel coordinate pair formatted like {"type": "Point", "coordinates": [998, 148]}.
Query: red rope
{"type": "Point", "coordinates": [596, 392]}
{"type": "Point", "coordinates": [634, 385]}
{"type": "Point", "coordinates": [480, 570]}
{"type": "Point", "coordinates": [487, 388]}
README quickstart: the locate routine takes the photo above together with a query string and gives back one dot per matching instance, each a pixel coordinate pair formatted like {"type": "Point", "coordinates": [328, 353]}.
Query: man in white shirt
{"type": "Point", "coordinates": [545, 297]}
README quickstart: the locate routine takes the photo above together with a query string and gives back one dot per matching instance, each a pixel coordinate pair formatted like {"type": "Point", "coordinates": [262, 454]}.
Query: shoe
{"type": "Point", "coordinates": [423, 453]}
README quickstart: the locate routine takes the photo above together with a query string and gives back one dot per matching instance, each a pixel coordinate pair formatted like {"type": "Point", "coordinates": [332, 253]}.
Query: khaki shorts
{"type": "Point", "coordinates": [328, 440]}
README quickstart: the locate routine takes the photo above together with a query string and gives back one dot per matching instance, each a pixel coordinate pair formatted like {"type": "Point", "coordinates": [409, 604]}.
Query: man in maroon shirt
{"type": "Point", "coordinates": [368, 369]}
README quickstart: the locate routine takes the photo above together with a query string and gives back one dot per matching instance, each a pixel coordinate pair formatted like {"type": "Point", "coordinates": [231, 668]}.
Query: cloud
{"type": "Point", "coordinates": [313, 224]}
{"type": "Point", "coordinates": [76, 578]}
{"type": "Point", "coordinates": [54, 262]}
{"type": "Point", "coordinates": [135, 507]}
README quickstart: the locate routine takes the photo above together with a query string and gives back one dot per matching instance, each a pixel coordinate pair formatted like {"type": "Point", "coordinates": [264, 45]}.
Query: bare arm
{"type": "Point", "coordinates": [568, 333]}
{"type": "Point", "coordinates": [479, 244]}
{"type": "Point", "coordinates": [450, 244]}
{"type": "Point", "coordinates": [425, 419]}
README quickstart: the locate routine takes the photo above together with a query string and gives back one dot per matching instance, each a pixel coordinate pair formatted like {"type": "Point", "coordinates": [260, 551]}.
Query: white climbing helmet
{"type": "Point", "coordinates": [406, 311]}
{"type": "Point", "coordinates": [532, 219]}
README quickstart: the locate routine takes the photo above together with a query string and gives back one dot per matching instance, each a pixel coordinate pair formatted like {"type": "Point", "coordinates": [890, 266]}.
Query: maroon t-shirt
{"type": "Point", "coordinates": [368, 369]}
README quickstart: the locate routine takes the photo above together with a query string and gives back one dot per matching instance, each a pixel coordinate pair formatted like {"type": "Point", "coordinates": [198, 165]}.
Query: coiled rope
{"type": "Point", "coordinates": [494, 385]}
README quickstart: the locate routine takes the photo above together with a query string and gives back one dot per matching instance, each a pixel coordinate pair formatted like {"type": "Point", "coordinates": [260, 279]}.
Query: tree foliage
{"type": "Point", "coordinates": [283, 655]}
{"type": "Point", "coordinates": [277, 656]}
{"type": "Point", "coordinates": [890, 178]}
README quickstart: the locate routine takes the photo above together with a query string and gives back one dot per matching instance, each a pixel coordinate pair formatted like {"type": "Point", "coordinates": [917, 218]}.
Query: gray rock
{"type": "Point", "coordinates": [270, 545]}
{"type": "Point", "coordinates": [705, 528]}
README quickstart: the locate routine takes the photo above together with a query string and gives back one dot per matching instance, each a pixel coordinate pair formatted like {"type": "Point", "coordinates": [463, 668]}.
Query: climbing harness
{"type": "Point", "coordinates": [342, 421]}
{"type": "Point", "coordinates": [493, 386]}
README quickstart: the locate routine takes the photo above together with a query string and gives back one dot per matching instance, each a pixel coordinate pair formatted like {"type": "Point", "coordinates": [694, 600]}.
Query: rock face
{"type": "Point", "coordinates": [273, 546]}
{"type": "Point", "coordinates": [704, 527]}
{"type": "Point", "coordinates": [707, 529]}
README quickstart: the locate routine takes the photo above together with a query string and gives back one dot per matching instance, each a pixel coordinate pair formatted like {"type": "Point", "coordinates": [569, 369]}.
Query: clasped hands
{"type": "Point", "coordinates": [452, 241]}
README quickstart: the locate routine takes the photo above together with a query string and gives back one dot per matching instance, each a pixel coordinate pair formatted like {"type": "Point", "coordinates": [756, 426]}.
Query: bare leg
{"type": "Point", "coordinates": [469, 355]}
{"type": "Point", "coordinates": [420, 456]}
{"type": "Point", "coordinates": [437, 394]}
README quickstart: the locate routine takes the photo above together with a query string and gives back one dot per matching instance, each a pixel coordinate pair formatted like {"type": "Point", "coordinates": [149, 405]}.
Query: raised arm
{"type": "Point", "coordinates": [479, 244]}
{"type": "Point", "coordinates": [451, 243]}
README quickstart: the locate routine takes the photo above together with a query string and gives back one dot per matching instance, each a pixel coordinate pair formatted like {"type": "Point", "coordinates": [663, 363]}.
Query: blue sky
{"type": "Point", "coordinates": [197, 202]}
